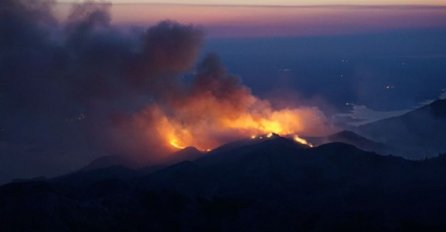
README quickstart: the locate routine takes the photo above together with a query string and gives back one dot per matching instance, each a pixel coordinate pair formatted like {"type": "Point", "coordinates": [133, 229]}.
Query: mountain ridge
{"type": "Point", "coordinates": [415, 135]}
{"type": "Point", "coordinates": [262, 185]}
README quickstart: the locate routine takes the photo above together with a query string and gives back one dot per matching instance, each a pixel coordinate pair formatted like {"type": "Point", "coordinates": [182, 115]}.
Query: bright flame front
{"type": "Point", "coordinates": [302, 141]}
{"type": "Point", "coordinates": [209, 133]}
{"type": "Point", "coordinates": [217, 109]}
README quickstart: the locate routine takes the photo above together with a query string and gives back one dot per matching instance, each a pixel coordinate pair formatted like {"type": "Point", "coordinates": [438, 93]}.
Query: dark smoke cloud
{"type": "Point", "coordinates": [76, 90]}
{"type": "Point", "coordinates": [138, 135]}
{"type": "Point", "coordinates": [64, 84]}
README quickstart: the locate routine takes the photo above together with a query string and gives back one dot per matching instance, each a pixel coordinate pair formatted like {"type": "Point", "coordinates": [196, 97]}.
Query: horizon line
{"type": "Point", "coordinates": [406, 6]}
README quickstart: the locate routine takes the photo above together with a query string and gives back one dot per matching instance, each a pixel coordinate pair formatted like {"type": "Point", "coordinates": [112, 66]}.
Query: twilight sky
{"type": "Point", "coordinates": [345, 57]}
{"type": "Point", "coordinates": [291, 2]}
{"type": "Point", "coordinates": [271, 21]}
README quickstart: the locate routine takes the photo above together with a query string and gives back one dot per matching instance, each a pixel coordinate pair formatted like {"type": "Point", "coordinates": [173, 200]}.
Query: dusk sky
{"type": "Point", "coordinates": [272, 21]}
{"type": "Point", "coordinates": [222, 115]}
{"type": "Point", "coordinates": [290, 2]}
{"type": "Point", "coordinates": [332, 64]}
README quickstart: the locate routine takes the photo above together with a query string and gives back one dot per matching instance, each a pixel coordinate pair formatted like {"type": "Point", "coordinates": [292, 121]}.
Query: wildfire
{"type": "Point", "coordinates": [205, 137]}
{"type": "Point", "coordinates": [217, 109]}
{"type": "Point", "coordinates": [302, 141]}
{"type": "Point", "coordinates": [208, 125]}
{"type": "Point", "coordinates": [175, 144]}
{"type": "Point", "coordinates": [296, 138]}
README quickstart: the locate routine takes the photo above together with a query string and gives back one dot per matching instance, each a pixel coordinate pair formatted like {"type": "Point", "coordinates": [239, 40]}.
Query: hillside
{"type": "Point", "coordinates": [269, 185]}
{"type": "Point", "coordinates": [417, 134]}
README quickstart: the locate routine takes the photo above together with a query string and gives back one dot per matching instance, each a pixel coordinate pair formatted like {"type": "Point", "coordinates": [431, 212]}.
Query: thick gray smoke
{"type": "Point", "coordinates": [76, 90]}
{"type": "Point", "coordinates": [63, 84]}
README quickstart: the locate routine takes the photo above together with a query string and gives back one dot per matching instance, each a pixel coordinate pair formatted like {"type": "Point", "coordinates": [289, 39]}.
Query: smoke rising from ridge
{"type": "Point", "coordinates": [84, 85]}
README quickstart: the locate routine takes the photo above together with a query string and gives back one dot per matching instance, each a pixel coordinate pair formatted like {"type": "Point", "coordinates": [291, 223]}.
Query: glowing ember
{"type": "Point", "coordinates": [296, 138]}
{"type": "Point", "coordinates": [175, 144]}
{"type": "Point", "coordinates": [192, 128]}
{"type": "Point", "coordinates": [217, 109]}
{"type": "Point", "coordinates": [302, 141]}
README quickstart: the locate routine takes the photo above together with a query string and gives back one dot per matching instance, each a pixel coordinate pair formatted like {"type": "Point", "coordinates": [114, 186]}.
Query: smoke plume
{"type": "Point", "coordinates": [88, 87]}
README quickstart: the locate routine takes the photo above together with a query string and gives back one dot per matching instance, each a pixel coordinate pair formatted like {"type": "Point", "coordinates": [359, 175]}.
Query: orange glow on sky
{"type": "Point", "coordinates": [254, 21]}
{"type": "Point", "coordinates": [288, 2]}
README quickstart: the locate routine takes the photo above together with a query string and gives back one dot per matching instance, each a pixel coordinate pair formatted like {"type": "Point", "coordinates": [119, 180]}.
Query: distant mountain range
{"type": "Point", "coordinates": [416, 135]}
{"type": "Point", "coordinates": [350, 137]}
{"type": "Point", "coordinates": [189, 153]}
{"type": "Point", "coordinates": [272, 184]}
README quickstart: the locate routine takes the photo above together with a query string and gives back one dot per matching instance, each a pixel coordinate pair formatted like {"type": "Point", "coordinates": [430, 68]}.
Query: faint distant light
{"type": "Point", "coordinates": [389, 87]}
{"type": "Point", "coordinates": [77, 118]}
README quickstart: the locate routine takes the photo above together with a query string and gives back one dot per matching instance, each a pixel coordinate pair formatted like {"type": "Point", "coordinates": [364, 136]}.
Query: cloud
{"type": "Point", "coordinates": [63, 84]}
{"type": "Point", "coordinates": [82, 88]}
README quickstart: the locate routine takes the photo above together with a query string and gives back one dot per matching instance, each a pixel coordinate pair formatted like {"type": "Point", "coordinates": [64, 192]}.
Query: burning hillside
{"type": "Point", "coordinates": [215, 109]}
{"type": "Point", "coordinates": [94, 86]}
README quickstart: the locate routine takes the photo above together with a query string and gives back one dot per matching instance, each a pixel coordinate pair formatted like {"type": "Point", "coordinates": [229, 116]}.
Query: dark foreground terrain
{"type": "Point", "coordinates": [267, 185]}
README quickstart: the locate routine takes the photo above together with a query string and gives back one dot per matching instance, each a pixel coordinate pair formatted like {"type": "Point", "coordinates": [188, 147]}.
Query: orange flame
{"type": "Point", "coordinates": [209, 133]}
{"type": "Point", "coordinates": [216, 110]}
{"type": "Point", "coordinates": [302, 141]}
{"type": "Point", "coordinates": [175, 144]}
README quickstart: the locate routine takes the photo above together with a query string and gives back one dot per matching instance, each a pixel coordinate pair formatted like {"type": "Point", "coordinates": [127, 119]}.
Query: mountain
{"type": "Point", "coordinates": [108, 161]}
{"type": "Point", "coordinates": [188, 153]}
{"type": "Point", "coordinates": [350, 137]}
{"type": "Point", "coordinates": [417, 134]}
{"type": "Point", "coordinates": [119, 167]}
{"type": "Point", "coordinates": [269, 184]}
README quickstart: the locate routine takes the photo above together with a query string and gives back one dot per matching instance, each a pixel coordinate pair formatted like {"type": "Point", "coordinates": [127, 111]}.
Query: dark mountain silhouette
{"type": "Point", "coordinates": [188, 153]}
{"type": "Point", "coordinates": [416, 135]}
{"type": "Point", "coordinates": [350, 137]}
{"type": "Point", "coordinates": [270, 184]}
{"type": "Point", "coordinates": [108, 161]}
{"type": "Point", "coordinates": [120, 167]}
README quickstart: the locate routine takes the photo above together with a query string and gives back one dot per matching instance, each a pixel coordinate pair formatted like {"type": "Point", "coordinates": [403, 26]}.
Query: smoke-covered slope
{"type": "Point", "coordinates": [350, 137]}
{"type": "Point", "coordinates": [417, 134]}
{"type": "Point", "coordinates": [268, 185]}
